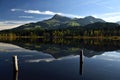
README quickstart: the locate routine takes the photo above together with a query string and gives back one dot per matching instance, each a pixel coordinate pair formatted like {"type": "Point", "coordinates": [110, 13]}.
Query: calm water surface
{"type": "Point", "coordinates": [56, 61]}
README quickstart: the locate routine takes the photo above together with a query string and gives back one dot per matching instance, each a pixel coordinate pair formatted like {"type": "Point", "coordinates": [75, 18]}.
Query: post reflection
{"type": "Point", "coordinates": [81, 62]}
{"type": "Point", "coordinates": [15, 75]}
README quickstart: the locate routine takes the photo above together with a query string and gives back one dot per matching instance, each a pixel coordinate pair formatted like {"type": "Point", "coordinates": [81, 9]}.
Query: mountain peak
{"type": "Point", "coordinates": [57, 16]}
{"type": "Point", "coordinates": [60, 18]}
{"type": "Point", "coordinates": [57, 21]}
{"type": "Point", "coordinates": [93, 19]}
{"type": "Point", "coordinates": [89, 17]}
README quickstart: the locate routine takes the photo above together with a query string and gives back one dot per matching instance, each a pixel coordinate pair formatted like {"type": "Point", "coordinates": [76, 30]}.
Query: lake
{"type": "Point", "coordinates": [60, 59]}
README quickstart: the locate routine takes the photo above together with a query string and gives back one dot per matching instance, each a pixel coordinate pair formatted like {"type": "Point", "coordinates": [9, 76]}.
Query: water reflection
{"type": "Point", "coordinates": [41, 60]}
{"type": "Point", "coordinates": [110, 56]}
{"type": "Point", "coordinates": [64, 47]}
{"type": "Point", "coordinates": [15, 75]}
{"type": "Point", "coordinates": [81, 62]}
{"type": "Point", "coordinates": [90, 44]}
{"type": "Point", "coordinates": [62, 60]}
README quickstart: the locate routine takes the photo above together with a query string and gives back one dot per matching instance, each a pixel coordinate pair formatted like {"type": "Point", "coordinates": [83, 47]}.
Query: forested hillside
{"type": "Point", "coordinates": [63, 27]}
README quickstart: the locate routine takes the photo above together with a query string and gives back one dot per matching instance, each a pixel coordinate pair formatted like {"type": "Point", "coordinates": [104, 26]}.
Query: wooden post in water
{"type": "Point", "coordinates": [15, 63]}
{"type": "Point", "coordinates": [81, 62]}
{"type": "Point", "coordinates": [81, 56]}
{"type": "Point", "coordinates": [15, 75]}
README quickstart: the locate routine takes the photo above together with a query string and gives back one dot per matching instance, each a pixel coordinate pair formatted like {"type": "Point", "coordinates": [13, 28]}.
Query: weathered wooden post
{"type": "Point", "coordinates": [15, 75]}
{"type": "Point", "coordinates": [81, 61]}
{"type": "Point", "coordinates": [15, 63]}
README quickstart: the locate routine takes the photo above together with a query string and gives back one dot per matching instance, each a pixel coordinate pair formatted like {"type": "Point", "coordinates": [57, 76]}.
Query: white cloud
{"type": "Point", "coordinates": [41, 12]}
{"type": "Point", "coordinates": [46, 13]}
{"type": "Point", "coordinates": [16, 10]}
{"type": "Point", "coordinates": [109, 17]}
{"type": "Point", "coordinates": [30, 17]}
{"type": "Point", "coordinates": [112, 19]}
{"type": "Point", "coordinates": [4, 25]}
{"type": "Point", "coordinates": [32, 11]}
{"type": "Point", "coordinates": [8, 24]}
{"type": "Point", "coordinates": [50, 13]}
{"type": "Point", "coordinates": [12, 24]}
{"type": "Point", "coordinates": [112, 14]}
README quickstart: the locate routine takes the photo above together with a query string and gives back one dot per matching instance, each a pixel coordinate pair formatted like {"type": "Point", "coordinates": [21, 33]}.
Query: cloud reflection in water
{"type": "Point", "coordinates": [110, 56]}
{"type": "Point", "coordinates": [50, 59]}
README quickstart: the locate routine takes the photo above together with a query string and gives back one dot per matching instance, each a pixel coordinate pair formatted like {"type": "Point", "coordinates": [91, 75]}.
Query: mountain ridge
{"type": "Point", "coordinates": [57, 21]}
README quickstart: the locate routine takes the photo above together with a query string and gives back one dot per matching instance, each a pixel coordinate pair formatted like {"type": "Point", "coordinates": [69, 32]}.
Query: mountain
{"type": "Point", "coordinates": [88, 20]}
{"type": "Point", "coordinates": [61, 18]}
{"type": "Point", "coordinates": [58, 22]}
{"type": "Point", "coordinates": [54, 22]}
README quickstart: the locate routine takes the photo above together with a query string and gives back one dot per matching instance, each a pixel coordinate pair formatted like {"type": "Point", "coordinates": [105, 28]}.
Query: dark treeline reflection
{"type": "Point", "coordinates": [61, 47]}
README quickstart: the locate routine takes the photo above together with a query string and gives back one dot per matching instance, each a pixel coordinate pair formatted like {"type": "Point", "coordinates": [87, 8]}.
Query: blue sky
{"type": "Point", "coordinates": [17, 12]}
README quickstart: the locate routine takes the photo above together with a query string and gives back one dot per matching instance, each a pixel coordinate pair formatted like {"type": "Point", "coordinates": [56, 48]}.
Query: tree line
{"type": "Point", "coordinates": [92, 30]}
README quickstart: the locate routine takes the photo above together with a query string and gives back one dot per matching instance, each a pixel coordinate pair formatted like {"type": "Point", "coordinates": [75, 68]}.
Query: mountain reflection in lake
{"type": "Point", "coordinates": [60, 59]}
